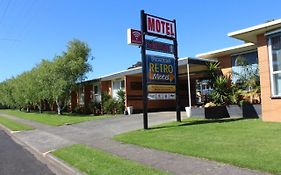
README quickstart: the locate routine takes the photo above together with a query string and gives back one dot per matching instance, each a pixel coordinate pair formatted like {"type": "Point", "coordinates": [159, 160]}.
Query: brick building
{"type": "Point", "coordinates": [130, 81]}
{"type": "Point", "coordinates": [262, 48]}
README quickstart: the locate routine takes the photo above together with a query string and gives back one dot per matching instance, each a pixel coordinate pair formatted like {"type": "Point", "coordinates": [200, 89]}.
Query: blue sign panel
{"type": "Point", "coordinates": [160, 70]}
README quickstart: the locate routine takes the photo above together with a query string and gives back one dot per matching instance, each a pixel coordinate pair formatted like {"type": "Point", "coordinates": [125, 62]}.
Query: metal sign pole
{"type": "Point", "coordinates": [177, 75]}
{"type": "Point", "coordinates": [144, 77]}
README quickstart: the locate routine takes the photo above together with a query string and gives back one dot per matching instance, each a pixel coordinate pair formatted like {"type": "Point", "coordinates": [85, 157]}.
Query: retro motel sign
{"type": "Point", "coordinates": [162, 69]}
{"type": "Point", "coordinates": [160, 73]}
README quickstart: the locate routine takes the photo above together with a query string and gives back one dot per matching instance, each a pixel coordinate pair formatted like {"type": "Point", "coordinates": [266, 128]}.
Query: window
{"type": "Point", "coordinates": [96, 90]}
{"type": "Point", "coordinates": [122, 84]}
{"type": "Point", "coordinates": [274, 50]}
{"type": "Point", "coordinates": [81, 96]}
{"type": "Point", "coordinates": [117, 85]}
{"type": "Point", "coordinates": [243, 66]}
{"type": "Point", "coordinates": [96, 94]}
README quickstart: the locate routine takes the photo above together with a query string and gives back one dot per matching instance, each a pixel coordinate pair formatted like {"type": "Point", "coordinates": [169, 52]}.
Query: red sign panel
{"type": "Point", "coordinates": [159, 46]}
{"type": "Point", "coordinates": [160, 26]}
{"type": "Point", "coordinates": [134, 37]}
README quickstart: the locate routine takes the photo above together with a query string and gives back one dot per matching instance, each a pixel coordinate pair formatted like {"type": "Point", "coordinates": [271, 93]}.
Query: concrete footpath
{"type": "Point", "coordinates": [98, 134]}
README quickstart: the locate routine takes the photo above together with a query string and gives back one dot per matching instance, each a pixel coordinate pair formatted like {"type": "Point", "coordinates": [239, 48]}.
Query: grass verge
{"type": "Point", "coordinates": [92, 161]}
{"type": "Point", "coordinates": [246, 143]}
{"type": "Point", "coordinates": [14, 126]}
{"type": "Point", "coordinates": [52, 119]}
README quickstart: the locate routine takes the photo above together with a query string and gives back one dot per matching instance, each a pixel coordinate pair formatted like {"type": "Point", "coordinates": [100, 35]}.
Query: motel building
{"type": "Point", "coordinates": [261, 49]}
{"type": "Point", "coordinates": [130, 81]}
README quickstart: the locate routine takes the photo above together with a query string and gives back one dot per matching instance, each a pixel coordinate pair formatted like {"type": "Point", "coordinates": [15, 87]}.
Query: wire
{"type": "Point", "coordinates": [5, 11]}
{"type": "Point", "coordinates": [9, 39]}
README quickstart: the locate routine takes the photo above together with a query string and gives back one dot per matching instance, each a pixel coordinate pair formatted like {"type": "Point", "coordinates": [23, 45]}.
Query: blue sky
{"type": "Point", "coordinates": [31, 30]}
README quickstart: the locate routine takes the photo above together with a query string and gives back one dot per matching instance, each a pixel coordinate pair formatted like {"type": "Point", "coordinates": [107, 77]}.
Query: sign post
{"type": "Point", "coordinates": [159, 73]}
{"type": "Point", "coordinates": [177, 75]}
{"type": "Point", "coordinates": [144, 77]}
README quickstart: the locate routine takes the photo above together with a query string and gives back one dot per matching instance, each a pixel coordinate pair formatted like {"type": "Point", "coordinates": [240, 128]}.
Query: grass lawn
{"type": "Point", "coordinates": [52, 119]}
{"type": "Point", "coordinates": [246, 143]}
{"type": "Point", "coordinates": [92, 161]}
{"type": "Point", "coordinates": [13, 125]}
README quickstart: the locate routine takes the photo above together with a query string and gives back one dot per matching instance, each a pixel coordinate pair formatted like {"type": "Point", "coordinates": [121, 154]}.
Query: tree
{"type": "Point", "coordinates": [6, 93]}
{"type": "Point", "coordinates": [67, 70]}
{"type": "Point", "coordinates": [49, 80]}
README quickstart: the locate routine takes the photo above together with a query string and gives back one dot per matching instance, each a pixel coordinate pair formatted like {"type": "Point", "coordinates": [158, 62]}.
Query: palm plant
{"type": "Point", "coordinates": [223, 92]}
{"type": "Point", "coordinates": [213, 71]}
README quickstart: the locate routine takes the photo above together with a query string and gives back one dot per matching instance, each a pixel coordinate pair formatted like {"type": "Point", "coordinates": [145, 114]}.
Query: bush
{"type": "Point", "coordinates": [78, 109]}
{"type": "Point", "coordinates": [113, 106]}
{"type": "Point", "coordinates": [109, 106]}
{"type": "Point", "coordinates": [94, 108]}
{"type": "Point", "coordinates": [121, 101]}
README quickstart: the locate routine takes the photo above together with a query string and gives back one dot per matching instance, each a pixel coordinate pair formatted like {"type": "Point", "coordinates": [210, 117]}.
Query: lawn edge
{"type": "Point", "coordinates": [15, 131]}
{"type": "Point", "coordinates": [121, 158]}
{"type": "Point", "coordinates": [57, 125]}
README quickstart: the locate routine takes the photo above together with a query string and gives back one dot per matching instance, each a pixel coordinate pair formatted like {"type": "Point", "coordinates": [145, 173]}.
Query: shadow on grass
{"type": "Point", "coordinates": [198, 122]}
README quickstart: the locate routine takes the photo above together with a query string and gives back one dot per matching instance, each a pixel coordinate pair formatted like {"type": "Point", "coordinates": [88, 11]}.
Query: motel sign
{"type": "Point", "coordinates": [160, 26]}
{"type": "Point", "coordinates": [159, 73]}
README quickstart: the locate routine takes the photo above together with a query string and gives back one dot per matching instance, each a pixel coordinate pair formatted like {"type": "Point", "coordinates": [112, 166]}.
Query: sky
{"type": "Point", "coordinates": [32, 30]}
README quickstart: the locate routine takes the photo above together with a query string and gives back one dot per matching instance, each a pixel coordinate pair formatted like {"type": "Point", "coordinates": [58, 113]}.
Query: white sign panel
{"type": "Point", "coordinates": [160, 26]}
{"type": "Point", "coordinates": [161, 96]}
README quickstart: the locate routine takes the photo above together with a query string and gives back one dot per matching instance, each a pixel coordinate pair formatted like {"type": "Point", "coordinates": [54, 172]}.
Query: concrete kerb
{"type": "Point", "coordinates": [55, 164]}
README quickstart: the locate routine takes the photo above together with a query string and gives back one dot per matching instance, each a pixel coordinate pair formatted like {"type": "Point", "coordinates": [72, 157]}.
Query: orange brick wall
{"type": "Point", "coordinates": [133, 97]}
{"type": "Point", "coordinates": [271, 108]}
{"type": "Point", "coordinates": [88, 94]}
{"type": "Point", "coordinates": [74, 100]}
{"type": "Point", "coordinates": [106, 87]}
{"type": "Point", "coordinates": [225, 65]}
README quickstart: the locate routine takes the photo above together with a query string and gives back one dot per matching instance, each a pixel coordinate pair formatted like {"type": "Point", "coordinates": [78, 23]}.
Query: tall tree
{"type": "Point", "coordinates": [50, 80]}
{"type": "Point", "coordinates": [67, 70]}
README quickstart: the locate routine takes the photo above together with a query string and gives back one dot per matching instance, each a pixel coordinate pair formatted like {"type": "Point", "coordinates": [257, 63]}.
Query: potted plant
{"type": "Point", "coordinates": [248, 110]}
{"type": "Point", "coordinates": [222, 94]}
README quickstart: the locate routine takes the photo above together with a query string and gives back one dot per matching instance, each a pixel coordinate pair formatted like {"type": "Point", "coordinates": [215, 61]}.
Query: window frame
{"type": "Point", "coordinates": [271, 72]}
{"type": "Point", "coordinates": [119, 83]}
{"type": "Point", "coordinates": [243, 54]}
{"type": "Point", "coordinates": [81, 99]}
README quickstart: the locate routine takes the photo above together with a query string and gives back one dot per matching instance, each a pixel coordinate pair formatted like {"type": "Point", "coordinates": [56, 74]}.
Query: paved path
{"type": "Point", "coordinates": [28, 122]}
{"type": "Point", "coordinates": [98, 134]}
{"type": "Point", "coordinates": [14, 159]}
